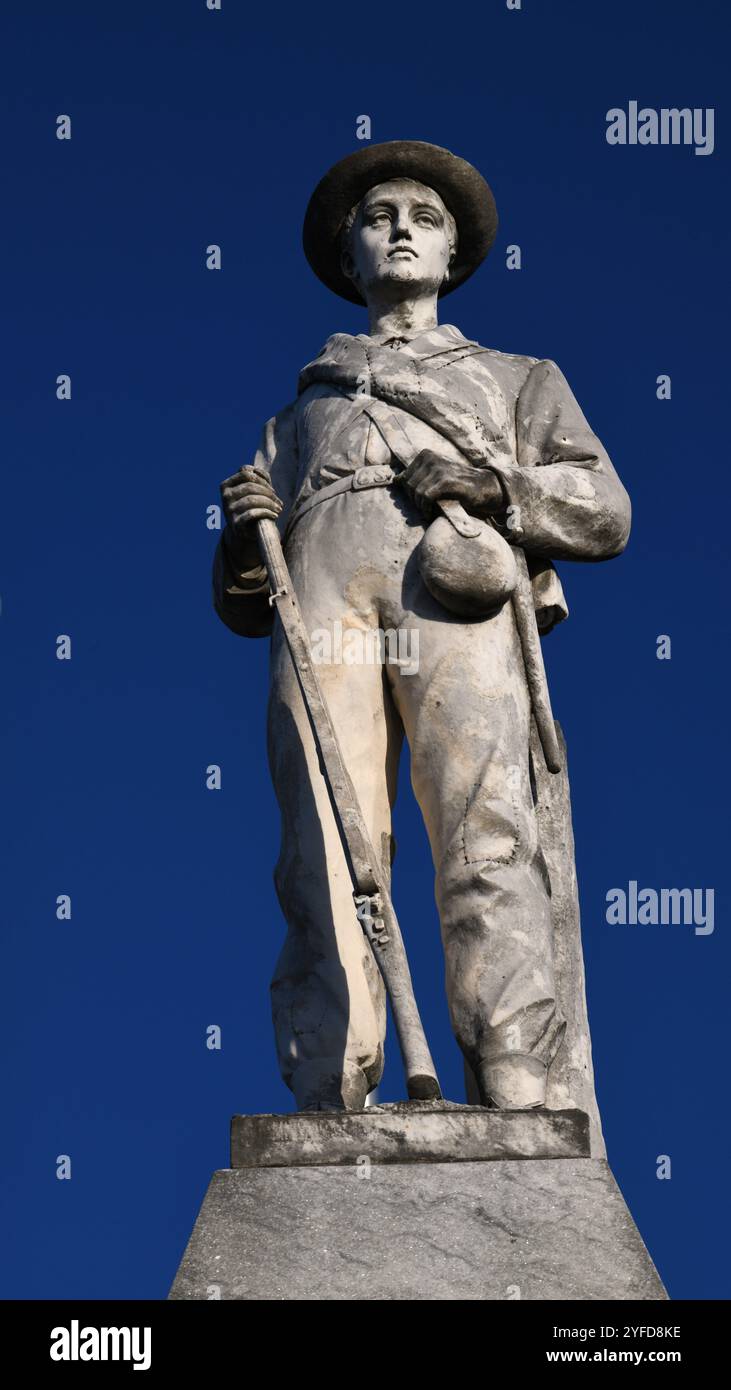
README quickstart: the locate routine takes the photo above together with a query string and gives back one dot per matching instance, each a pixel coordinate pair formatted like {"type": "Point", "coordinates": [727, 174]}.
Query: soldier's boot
{"type": "Point", "coordinates": [330, 1084]}
{"type": "Point", "coordinates": [513, 1081]}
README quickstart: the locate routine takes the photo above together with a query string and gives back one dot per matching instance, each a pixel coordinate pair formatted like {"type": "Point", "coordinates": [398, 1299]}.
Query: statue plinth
{"type": "Point", "coordinates": [415, 1201]}
{"type": "Point", "coordinates": [406, 1132]}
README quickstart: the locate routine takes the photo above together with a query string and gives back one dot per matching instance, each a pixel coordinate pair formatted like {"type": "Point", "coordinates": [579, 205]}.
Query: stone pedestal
{"type": "Point", "coordinates": [415, 1201]}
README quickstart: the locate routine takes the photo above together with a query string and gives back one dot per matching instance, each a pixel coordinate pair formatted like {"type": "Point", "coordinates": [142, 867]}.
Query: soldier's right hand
{"type": "Point", "coordinates": [248, 497]}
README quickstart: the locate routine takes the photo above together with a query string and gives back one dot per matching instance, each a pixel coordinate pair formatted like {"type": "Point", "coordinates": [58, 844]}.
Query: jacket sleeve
{"type": "Point", "coordinates": [241, 596]}
{"type": "Point", "coordinates": [567, 501]}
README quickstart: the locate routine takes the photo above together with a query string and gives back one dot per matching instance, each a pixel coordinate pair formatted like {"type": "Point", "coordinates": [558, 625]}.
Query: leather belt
{"type": "Point", "coordinates": [371, 475]}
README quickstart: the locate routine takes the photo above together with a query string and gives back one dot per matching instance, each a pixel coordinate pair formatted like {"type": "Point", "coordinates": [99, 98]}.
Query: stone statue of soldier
{"type": "Point", "coordinates": [387, 424]}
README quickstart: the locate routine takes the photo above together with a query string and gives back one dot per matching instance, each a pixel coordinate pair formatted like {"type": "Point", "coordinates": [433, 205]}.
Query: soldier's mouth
{"type": "Point", "coordinates": [401, 251]}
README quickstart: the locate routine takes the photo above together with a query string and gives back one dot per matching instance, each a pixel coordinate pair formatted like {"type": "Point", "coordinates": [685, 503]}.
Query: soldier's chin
{"type": "Point", "coordinates": [404, 275]}
{"type": "Point", "coordinates": [400, 270]}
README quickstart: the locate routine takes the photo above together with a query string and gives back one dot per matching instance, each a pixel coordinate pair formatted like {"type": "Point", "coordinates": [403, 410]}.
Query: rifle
{"type": "Point", "coordinates": [373, 906]}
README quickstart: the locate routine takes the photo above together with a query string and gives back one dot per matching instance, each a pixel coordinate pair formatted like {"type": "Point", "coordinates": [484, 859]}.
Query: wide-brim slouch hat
{"type": "Point", "coordinates": [460, 186]}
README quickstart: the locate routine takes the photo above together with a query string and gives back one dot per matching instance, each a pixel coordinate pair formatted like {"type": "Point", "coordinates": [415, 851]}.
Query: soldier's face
{"type": "Point", "coordinates": [400, 241]}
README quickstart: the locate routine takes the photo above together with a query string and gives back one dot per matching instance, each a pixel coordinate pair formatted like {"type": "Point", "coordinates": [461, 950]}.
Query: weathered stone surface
{"type": "Point", "coordinates": [571, 1074]}
{"type": "Point", "coordinates": [414, 1132]}
{"type": "Point", "coordinates": [541, 1229]}
{"type": "Point", "coordinates": [435, 418]}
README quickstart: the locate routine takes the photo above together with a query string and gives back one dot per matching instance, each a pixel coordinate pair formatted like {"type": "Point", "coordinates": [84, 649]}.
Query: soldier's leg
{"type": "Point", "coordinates": [328, 998]}
{"type": "Point", "coordinates": [466, 716]}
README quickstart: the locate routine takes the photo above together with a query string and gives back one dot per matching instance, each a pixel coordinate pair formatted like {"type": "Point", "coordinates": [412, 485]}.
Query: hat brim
{"type": "Point", "coordinates": [460, 186]}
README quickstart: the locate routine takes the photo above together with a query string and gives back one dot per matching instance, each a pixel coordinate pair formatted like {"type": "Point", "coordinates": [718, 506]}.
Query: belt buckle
{"type": "Point", "coordinates": [371, 475]}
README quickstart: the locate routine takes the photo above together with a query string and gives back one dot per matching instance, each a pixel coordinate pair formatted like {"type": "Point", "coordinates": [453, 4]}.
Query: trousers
{"type": "Point", "coordinates": [456, 689]}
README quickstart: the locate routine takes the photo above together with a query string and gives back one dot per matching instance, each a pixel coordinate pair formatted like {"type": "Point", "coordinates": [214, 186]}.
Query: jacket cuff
{"type": "Point", "coordinates": [509, 516]}
{"type": "Point", "coordinates": [241, 582]}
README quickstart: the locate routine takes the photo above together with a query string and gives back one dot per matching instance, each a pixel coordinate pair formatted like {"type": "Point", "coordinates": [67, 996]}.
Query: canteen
{"type": "Point", "coordinates": [465, 563]}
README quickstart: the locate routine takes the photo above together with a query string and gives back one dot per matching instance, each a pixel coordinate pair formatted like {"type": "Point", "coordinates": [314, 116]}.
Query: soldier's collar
{"type": "Point", "coordinates": [445, 335]}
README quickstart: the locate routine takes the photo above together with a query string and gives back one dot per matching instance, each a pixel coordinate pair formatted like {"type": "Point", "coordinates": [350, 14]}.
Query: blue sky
{"type": "Point", "coordinates": [192, 127]}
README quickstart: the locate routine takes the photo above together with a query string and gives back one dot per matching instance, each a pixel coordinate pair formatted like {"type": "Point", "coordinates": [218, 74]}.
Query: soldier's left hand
{"type": "Point", "coordinates": [429, 477]}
